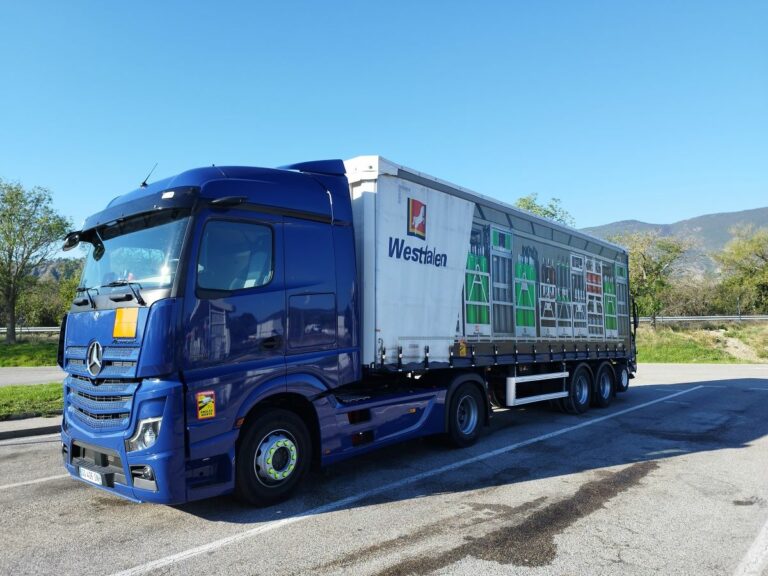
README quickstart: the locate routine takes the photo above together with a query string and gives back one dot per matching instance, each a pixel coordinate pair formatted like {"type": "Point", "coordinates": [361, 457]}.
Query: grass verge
{"type": "Point", "coordinates": [689, 346]}
{"type": "Point", "coordinates": [30, 401]}
{"type": "Point", "coordinates": [753, 335]}
{"type": "Point", "coordinates": [37, 353]}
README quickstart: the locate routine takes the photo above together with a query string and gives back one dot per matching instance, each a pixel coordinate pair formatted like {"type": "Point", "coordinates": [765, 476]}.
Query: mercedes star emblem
{"type": "Point", "coordinates": [93, 359]}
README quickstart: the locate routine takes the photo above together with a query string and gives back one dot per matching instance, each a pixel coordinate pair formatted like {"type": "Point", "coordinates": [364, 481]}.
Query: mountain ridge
{"type": "Point", "coordinates": [709, 233]}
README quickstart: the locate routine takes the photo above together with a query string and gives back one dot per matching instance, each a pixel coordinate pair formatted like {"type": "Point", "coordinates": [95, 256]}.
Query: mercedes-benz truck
{"type": "Point", "coordinates": [236, 326]}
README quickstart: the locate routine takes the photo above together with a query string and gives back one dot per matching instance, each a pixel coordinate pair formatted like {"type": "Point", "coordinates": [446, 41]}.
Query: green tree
{"type": "Point", "coordinates": [744, 264]}
{"type": "Point", "coordinates": [690, 294]}
{"type": "Point", "coordinates": [552, 210]}
{"type": "Point", "coordinates": [48, 299]}
{"type": "Point", "coordinates": [39, 304]}
{"type": "Point", "coordinates": [652, 260]}
{"type": "Point", "coordinates": [29, 229]}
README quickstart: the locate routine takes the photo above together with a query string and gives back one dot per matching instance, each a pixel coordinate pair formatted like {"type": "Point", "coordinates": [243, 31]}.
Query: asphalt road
{"type": "Point", "coordinates": [30, 375]}
{"type": "Point", "coordinates": [672, 478]}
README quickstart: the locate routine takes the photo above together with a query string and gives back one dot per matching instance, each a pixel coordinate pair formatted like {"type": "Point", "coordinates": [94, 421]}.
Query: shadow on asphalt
{"type": "Point", "coordinates": [704, 420]}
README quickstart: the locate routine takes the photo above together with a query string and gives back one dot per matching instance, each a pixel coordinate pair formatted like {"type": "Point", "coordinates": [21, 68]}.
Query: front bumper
{"type": "Point", "coordinates": [104, 454]}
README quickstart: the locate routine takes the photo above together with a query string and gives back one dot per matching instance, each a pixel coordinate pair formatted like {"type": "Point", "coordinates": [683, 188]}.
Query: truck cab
{"type": "Point", "coordinates": [202, 297]}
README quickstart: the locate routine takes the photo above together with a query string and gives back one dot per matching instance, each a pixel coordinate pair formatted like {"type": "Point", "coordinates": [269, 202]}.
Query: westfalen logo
{"type": "Point", "coordinates": [417, 219]}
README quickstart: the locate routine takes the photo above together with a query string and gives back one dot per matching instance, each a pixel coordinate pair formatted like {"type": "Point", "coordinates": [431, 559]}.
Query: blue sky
{"type": "Point", "coordinates": [652, 110]}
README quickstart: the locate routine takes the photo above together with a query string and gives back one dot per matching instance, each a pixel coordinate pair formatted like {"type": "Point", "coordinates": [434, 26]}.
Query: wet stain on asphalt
{"type": "Point", "coordinates": [472, 514]}
{"type": "Point", "coordinates": [751, 501]}
{"type": "Point", "coordinates": [532, 541]}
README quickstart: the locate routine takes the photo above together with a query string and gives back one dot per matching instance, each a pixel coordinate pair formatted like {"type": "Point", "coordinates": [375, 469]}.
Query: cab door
{"type": "Point", "coordinates": [233, 321]}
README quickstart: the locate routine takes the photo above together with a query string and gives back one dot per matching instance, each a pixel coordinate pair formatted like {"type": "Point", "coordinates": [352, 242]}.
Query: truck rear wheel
{"type": "Point", "coordinates": [465, 416]}
{"type": "Point", "coordinates": [622, 378]}
{"type": "Point", "coordinates": [604, 385]}
{"type": "Point", "coordinates": [272, 458]}
{"type": "Point", "coordinates": [579, 391]}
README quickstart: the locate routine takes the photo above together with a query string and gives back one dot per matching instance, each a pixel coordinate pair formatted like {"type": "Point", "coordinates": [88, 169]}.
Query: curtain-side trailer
{"type": "Point", "coordinates": [235, 326]}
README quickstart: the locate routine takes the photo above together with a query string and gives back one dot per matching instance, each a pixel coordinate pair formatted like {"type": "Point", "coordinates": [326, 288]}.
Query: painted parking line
{"type": "Point", "coordinates": [332, 506]}
{"type": "Point", "coordinates": [35, 481]}
{"type": "Point", "coordinates": [756, 558]}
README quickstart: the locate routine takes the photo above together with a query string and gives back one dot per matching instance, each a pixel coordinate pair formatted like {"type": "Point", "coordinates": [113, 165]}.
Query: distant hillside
{"type": "Point", "coordinates": [709, 233]}
{"type": "Point", "coordinates": [59, 269]}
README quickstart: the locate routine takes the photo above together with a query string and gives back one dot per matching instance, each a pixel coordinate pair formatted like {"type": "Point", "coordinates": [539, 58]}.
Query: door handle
{"type": "Point", "coordinates": [271, 343]}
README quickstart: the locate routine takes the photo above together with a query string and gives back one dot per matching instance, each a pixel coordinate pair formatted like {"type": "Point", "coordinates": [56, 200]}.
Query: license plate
{"type": "Point", "coordinates": [90, 475]}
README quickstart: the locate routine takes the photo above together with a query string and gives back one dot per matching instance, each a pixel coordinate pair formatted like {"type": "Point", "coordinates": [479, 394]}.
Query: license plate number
{"type": "Point", "coordinates": [90, 475]}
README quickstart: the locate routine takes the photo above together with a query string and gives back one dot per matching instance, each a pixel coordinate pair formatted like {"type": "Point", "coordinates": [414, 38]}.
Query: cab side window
{"type": "Point", "coordinates": [234, 256]}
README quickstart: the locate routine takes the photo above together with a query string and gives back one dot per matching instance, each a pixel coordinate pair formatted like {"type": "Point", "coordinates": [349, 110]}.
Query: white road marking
{"type": "Point", "coordinates": [331, 506]}
{"type": "Point", "coordinates": [35, 481]}
{"type": "Point", "coordinates": [757, 557]}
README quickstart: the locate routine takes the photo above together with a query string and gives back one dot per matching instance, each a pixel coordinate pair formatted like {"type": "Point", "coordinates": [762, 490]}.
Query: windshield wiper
{"type": "Point", "coordinates": [130, 284]}
{"type": "Point", "coordinates": [89, 299]}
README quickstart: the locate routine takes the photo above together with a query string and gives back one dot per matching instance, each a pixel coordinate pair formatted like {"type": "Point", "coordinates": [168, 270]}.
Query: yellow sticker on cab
{"type": "Point", "coordinates": [206, 404]}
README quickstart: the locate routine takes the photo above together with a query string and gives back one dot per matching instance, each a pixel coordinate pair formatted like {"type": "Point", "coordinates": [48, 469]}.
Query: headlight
{"type": "Point", "coordinates": [146, 434]}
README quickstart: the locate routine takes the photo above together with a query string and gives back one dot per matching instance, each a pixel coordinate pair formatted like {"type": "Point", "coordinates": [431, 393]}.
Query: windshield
{"type": "Point", "coordinates": [143, 249]}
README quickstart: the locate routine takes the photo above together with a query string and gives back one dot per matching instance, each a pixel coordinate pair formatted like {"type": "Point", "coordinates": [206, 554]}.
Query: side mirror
{"type": "Point", "coordinates": [635, 318]}
{"type": "Point", "coordinates": [70, 241]}
{"type": "Point", "coordinates": [98, 251]}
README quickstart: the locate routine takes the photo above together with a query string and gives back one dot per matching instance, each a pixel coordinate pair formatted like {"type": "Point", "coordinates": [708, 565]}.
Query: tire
{"type": "Point", "coordinates": [605, 383]}
{"type": "Point", "coordinates": [465, 415]}
{"type": "Point", "coordinates": [579, 390]}
{"type": "Point", "coordinates": [622, 378]}
{"type": "Point", "coordinates": [273, 456]}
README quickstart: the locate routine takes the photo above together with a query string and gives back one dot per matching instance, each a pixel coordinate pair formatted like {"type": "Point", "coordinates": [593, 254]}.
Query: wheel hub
{"type": "Point", "coordinates": [276, 458]}
{"type": "Point", "coordinates": [466, 414]}
{"type": "Point", "coordinates": [605, 385]}
{"type": "Point", "coordinates": [581, 389]}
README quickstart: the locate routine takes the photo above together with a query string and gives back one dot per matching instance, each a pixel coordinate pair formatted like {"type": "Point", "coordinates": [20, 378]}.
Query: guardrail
{"type": "Point", "coordinates": [33, 330]}
{"type": "Point", "coordinates": [736, 318]}
{"type": "Point", "coordinates": [659, 320]}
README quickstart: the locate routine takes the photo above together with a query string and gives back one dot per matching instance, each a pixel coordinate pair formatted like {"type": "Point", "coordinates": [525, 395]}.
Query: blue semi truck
{"type": "Point", "coordinates": [236, 326]}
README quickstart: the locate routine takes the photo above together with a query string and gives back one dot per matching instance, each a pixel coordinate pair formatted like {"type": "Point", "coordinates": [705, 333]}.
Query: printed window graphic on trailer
{"type": "Point", "coordinates": [518, 287]}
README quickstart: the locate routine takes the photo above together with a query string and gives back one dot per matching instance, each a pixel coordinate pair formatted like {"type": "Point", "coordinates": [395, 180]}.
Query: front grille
{"type": "Point", "coordinates": [101, 422]}
{"type": "Point", "coordinates": [103, 398]}
{"type": "Point", "coordinates": [103, 416]}
{"type": "Point", "coordinates": [101, 405]}
{"type": "Point", "coordinates": [118, 361]}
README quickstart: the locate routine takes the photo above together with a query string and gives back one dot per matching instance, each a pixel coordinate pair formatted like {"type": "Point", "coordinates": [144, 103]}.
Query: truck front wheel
{"type": "Point", "coordinates": [272, 458]}
{"type": "Point", "coordinates": [465, 416]}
